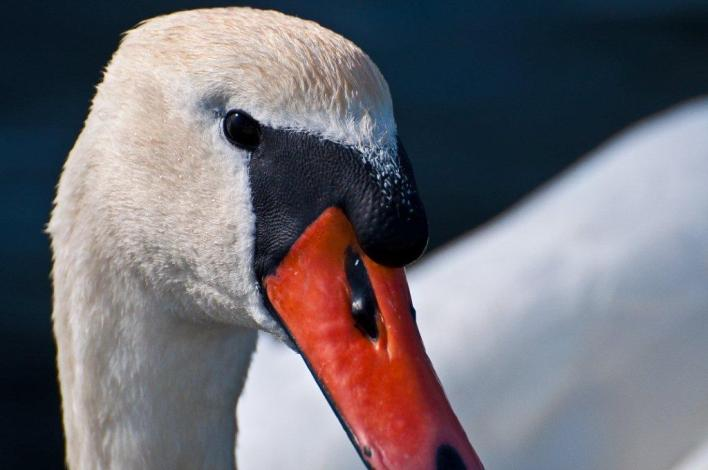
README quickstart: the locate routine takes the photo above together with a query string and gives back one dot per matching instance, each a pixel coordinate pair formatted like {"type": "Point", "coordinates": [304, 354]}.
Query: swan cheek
{"type": "Point", "coordinates": [351, 319]}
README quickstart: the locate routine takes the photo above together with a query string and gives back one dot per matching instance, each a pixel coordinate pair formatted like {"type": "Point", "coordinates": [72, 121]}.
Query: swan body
{"type": "Point", "coordinates": [168, 237]}
{"type": "Point", "coordinates": [598, 349]}
{"type": "Point", "coordinates": [580, 320]}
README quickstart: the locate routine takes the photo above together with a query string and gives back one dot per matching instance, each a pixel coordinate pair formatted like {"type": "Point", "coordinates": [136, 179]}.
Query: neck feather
{"type": "Point", "coordinates": [141, 386]}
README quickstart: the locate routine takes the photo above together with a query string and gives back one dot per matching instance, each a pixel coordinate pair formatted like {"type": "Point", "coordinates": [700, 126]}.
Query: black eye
{"type": "Point", "coordinates": [242, 130]}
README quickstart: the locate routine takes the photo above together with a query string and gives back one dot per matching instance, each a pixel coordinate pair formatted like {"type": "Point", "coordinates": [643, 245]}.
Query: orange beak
{"type": "Point", "coordinates": [352, 320]}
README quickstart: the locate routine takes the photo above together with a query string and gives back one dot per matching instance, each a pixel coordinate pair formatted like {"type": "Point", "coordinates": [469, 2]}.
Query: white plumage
{"type": "Point", "coordinates": [155, 296]}
{"type": "Point", "coordinates": [571, 333]}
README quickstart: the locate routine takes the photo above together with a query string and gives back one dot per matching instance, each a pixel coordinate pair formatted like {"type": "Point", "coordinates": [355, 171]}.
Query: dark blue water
{"type": "Point", "coordinates": [491, 100]}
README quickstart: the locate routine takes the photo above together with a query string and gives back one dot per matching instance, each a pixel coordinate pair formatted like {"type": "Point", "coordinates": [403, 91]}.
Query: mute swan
{"type": "Point", "coordinates": [588, 311]}
{"type": "Point", "coordinates": [239, 170]}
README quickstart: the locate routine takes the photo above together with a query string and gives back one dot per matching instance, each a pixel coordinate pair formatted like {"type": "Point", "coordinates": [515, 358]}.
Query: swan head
{"type": "Point", "coordinates": [245, 166]}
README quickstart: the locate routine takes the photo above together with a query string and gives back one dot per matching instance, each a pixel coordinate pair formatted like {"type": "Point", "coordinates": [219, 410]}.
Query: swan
{"type": "Point", "coordinates": [580, 314]}
{"type": "Point", "coordinates": [239, 170]}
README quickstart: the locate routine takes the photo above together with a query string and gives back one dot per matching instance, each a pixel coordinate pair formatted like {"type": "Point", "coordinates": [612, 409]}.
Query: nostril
{"type": "Point", "coordinates": [447, 458]}
{"type": "Point", "coordinates": [364, 307]}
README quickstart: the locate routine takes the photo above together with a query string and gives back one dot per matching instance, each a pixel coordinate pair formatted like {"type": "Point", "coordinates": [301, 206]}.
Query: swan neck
{"type": "Point", "coordinates": [143, 387]}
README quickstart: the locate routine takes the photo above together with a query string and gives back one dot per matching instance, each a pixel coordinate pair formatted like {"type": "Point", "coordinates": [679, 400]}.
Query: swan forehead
{"type": "Point", "coordinates": [286, 72]}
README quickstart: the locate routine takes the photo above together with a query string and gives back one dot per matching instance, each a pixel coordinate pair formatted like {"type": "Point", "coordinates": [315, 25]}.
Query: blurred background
{"type": "Point", "coordinates": [491, 100]}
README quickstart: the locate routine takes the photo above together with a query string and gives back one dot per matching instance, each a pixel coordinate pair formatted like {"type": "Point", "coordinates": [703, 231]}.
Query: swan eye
{"type": "Point", "coordinates": [242, 130]}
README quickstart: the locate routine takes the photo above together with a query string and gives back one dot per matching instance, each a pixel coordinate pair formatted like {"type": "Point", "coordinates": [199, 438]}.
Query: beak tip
{"type": "Point", "coordinates": [447, 458]}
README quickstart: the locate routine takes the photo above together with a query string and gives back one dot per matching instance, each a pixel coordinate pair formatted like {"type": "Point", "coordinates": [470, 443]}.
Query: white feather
{"type": "Point", "coordinates": [155, 298]}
